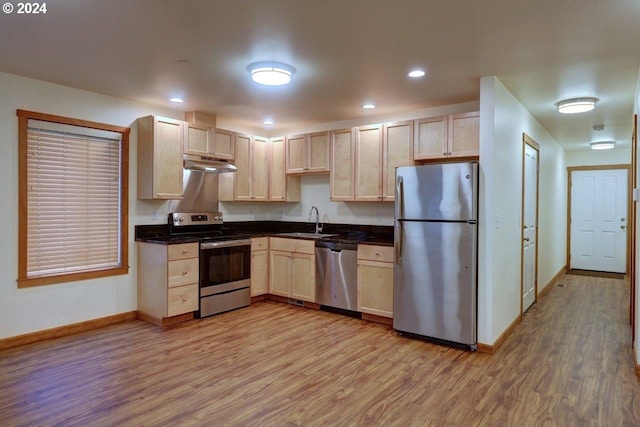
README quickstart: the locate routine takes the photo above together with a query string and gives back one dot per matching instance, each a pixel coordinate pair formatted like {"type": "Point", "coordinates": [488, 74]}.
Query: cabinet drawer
{"type": "Point", "coordinates": [182, 272]}
{"type": "Point", "coordinates": [375, 253]}
{"type": "Point", "coordinates": [292, 245]}
{"type": "Point", "coordinates": [259, 243]}
{"type": "Point", "coordinates": [183, 250]}
{"type": "Point", "coordinates": [182, 299]}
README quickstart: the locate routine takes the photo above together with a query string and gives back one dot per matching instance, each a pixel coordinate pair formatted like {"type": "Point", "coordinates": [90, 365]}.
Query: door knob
{"type": "Point", "coordinates": [526, 239]}
{"type": "Point", "coordinates": [622, 219]}
{"type": "Point", "coordinates": [623, 227]}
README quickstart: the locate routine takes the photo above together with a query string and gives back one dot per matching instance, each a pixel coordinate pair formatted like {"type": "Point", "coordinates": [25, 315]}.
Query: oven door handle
{"type": "Point", "coordinates": [225, 244]}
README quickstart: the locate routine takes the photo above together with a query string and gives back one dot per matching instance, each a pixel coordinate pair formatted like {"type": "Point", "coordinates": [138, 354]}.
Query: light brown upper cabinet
{"type": "Point", "coordinates": [342, 170]}
{"type": "Point", "coordinates": [202, 140]}
{"type": "Point", "coordinates": [224, 144]}
{"type": "Point", "coordinates": [282, 187]}
{"type": "Point", "coordinates": [379, 150]}
{"type": "Point", "coordinates": [160, 143]}
{"type": "Point", "coordinates": [198, 139]}
{"type": "Point", "coordinates": [447, 136]}
{"type": "Point", "coordinates": [369, 163]}
{"type": "Point", "coordinates": [397, 150]}
{"type": "Point", "coordinates": [250, 182]}
{"type": "Point", "coordinates": [308, 153]}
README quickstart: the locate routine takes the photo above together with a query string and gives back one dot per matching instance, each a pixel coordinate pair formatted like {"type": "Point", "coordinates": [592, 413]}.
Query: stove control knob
{"type": "Point", "coordinates": [181, 219]}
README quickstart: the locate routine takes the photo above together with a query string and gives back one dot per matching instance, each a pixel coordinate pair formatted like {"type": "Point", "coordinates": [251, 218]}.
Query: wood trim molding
{"type": "Point", "coordinates": [63, 331]}
{"type": "Point", "coordinates": [547, 288]}
{"type": "Point", "coordinates": [492, 348]}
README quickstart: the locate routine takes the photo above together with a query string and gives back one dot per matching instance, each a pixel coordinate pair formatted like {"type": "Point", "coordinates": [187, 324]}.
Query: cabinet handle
{"type": "Point", "coordinates": [377, 253]}
{"type": "Point", "coordinates": [184, 251]}
{"type": "Point", "coordinates": [449, 153]}
{"type": "Point", "coordinates": [184, 273]}
{"type": "Point", "coordinates": [444, 154]}
{"type": "Point", "coordinates": [184, 299]}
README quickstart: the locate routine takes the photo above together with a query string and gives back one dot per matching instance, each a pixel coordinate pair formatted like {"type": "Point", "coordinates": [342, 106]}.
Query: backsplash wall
{"type": "Point", "coordinates": [314, 192]}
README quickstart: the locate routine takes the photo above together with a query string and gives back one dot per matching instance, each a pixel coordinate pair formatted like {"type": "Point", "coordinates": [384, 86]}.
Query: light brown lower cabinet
{"type": "Point", "coordinates": [292, 268]}
{"type": "Point", "coordinates": [375, 280]}
{"type": "Point", "coordinates": [259, 266]}
{"type": "Point", "coordinates": [167, 280]}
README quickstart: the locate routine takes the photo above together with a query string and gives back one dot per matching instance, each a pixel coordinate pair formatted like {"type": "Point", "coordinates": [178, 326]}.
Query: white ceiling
{"type": "Point", "coordinates": [346, 52]}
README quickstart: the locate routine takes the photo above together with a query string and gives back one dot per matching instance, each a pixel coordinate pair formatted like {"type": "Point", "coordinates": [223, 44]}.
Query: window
{"type": "Point", "coordinates": [73, 194]}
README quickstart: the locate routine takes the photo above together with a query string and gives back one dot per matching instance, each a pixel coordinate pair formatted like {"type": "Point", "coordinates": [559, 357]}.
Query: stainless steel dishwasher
{"type": "Point", "coordinates": [336, 275]}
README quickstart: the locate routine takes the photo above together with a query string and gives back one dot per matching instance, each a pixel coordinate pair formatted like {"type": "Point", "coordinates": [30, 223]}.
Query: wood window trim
{"type": "Point", "coordinates": [23, 122]}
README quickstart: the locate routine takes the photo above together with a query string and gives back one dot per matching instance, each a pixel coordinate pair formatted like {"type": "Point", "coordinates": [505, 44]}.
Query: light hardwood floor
{"type": "Point", "coordinates": [568, 363]}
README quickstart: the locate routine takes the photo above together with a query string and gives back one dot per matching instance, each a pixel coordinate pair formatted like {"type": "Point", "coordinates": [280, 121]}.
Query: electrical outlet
{"type": "Point", "coordinates": [378, 217]}
{"type": "Point", "coordinates": [154, 215]}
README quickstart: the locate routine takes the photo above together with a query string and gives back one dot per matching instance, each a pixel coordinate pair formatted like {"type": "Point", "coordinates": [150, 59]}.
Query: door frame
{"type": "Point", "coordinates": [571, 169]}
{"type": "Point", "coordinates": [527, 140]}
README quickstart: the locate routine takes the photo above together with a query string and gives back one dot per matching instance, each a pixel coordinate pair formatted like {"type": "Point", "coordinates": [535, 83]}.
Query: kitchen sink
{"type": "Point", "coordinates": [306, 235]}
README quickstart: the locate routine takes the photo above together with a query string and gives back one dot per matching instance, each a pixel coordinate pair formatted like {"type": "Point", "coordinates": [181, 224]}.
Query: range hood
{"type": "Point", "coordinates": [207, 164]}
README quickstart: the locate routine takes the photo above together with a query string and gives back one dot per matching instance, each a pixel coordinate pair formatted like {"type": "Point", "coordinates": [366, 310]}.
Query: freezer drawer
{"type": "Point", "coordinates": [435, 280]}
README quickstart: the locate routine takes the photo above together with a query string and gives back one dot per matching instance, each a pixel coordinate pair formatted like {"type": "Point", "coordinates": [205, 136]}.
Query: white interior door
{"type": "Point", "coordinates": [599, 220]}
{"type": "Point", "coordinates": [529, 226]}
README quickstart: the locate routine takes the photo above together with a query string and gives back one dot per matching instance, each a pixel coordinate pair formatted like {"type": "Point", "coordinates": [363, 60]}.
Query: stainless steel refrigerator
{"type": "Point", "coordinates": [435, 270]}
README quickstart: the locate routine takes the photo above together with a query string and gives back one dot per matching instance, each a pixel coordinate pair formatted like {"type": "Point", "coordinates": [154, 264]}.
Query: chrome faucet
{"type": "Point", "coordinates": [318, 226]}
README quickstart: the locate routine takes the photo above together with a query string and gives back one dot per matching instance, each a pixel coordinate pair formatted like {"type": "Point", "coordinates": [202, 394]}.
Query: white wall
{"type": "Point", "coordinates": [617, 156]}
{"type": "Point", "coordinates": [44, 307]}
{"type": "Point", "coordinates": [502, 121]}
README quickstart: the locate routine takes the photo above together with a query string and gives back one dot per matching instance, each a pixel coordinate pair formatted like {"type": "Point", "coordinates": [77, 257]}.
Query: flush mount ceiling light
{"type": "Point", "coordinates": [576, 105]}
{"type": "Point", "coordinates": [268, 122]}
{"type": "Point", "coordinates": [177, 100]}
{"type": "Point", "coordinates": [416, 73]}
{"type": "Point", "coordinates": [368, 106]}
{"type": "Point", "coordinates": [271, 73]}
{"type": "Point", "coordinates": [603, 145]}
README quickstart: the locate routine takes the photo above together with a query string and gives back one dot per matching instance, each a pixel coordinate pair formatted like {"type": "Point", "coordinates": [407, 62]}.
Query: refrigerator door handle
{"type": "Point", "coordinates": [397, 233]}
{"type": "Point", "coordinates": [399, 197]}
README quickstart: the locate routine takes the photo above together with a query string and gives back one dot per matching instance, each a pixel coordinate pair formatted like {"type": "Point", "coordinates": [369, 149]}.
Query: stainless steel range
{"type": "Point", "coordinates": [225, 261]}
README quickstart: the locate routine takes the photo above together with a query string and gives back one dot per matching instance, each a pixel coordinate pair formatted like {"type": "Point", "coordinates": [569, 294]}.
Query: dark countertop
{"type": "Point", "coordinates": [344, 233]}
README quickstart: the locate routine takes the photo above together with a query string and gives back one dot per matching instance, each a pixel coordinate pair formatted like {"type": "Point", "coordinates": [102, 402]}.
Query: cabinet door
{"type": "Point", "coordinates": [397, 151]}
{"type": "Point", "coordinates": [430, 140]}
{"type": "Point", "coordinates": [282, 187]}
{"type": "Point", "coordinates": [369, 163]}
{"type": "Point", "coordinates": [224, 144]}
{"type": "Point", "coordinates": [464, 135]}
{"type": "Point", "coordinates": [259, 169]}
{"type": "Point", "coordinates": [375, 288]}
{"type": "Point", "coordinates": [297, 154]}
{"type": "Point", "coordinates": [197, 140]}
{"type": "Point", "coordinates": [278, 182]}
{"type": "Point", "coordinates": [341, 173]}
{"type": "Point", "coordinates": [279, 273]}
{"type": "Point", "coordinates": [242, 175]}
{"type": "Point", "coordinates": [303, 277]}
{"type": "Point", "coordinates": [318, 152]}
{"type": "Point", "coordinates": [167, 158]}
{"type": "Point", "coordinates": [259, 272]}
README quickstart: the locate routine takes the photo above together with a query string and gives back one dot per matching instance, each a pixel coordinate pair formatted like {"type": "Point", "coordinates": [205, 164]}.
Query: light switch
{"type": "Point", "coordinates": [498, 221]}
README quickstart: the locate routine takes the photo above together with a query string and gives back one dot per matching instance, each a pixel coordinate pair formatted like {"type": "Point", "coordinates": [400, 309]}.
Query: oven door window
{"type": "Point", "coordinates": [224, 265]}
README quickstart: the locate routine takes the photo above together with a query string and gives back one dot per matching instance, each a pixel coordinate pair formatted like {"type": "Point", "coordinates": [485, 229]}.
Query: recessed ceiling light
{"type": "Point", "coordinates": [368, 106]}
{"type": "Point", "coordinates": [576, 105]}
{"type": "Point", "coordinates": [416, 73]}
{"type": "Point", "coordinates": [268, 122]}
{"type": "Point", "coordinates": [177, 100]}
{"type": "Point", "coordinates": [271, 73]}
{"type": "Point", "coordinates": [603, 145]}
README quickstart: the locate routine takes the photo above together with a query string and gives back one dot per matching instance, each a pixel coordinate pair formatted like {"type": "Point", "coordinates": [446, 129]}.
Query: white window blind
{"type": "Point", "coordinates": [74, 213]}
